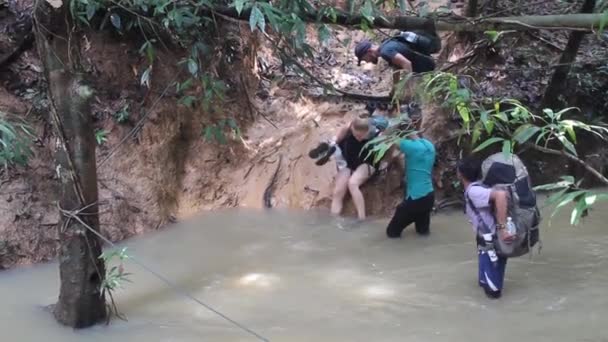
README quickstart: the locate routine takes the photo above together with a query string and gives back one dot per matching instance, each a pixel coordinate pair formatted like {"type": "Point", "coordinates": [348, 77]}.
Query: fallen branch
{"type": "Point", "coordinates": [547, 42]}
{"type": "Point", "coordinates": [572, 157]}
{"type": "Point", "coordinates": [582, 22]}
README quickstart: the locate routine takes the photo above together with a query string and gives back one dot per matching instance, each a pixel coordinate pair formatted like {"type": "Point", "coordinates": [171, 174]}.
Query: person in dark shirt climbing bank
{"type": "Point", "coordinates": [409, 51]}
{"type": "Point", "coordinates": [354, 163]}
{"type": "Point", "coordinates": [419, 198]}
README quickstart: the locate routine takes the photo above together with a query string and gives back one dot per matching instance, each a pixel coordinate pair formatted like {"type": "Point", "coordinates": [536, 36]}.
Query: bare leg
{"type": "Point", "coordinates": [337, 200]}
{"type": "Point", "coordinates": [361, 174]}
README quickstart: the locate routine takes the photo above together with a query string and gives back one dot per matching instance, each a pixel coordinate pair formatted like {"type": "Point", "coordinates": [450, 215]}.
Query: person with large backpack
{"type": "Point", "coordinates": [409, 50]}
{"type": "Point", "coordinates": [354, 163]}
{"type": "Point", "coordinates": [501, 206]}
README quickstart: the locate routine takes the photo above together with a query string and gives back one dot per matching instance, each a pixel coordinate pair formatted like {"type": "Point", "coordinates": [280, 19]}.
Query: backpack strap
{"type": "Point", "coordinates": [482, 223]}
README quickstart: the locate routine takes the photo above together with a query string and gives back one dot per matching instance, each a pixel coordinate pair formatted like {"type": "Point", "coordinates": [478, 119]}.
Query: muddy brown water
{"type": "Point", "coordinates": [295, 276]}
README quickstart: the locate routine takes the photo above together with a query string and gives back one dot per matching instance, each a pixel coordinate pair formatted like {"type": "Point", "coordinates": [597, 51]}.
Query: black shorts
{"type": "Point", "coordinates": [410, 211]}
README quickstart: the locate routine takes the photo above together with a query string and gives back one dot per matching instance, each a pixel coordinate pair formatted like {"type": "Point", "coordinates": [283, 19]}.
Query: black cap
{"type": "Point", "coordinates": [361, 49]}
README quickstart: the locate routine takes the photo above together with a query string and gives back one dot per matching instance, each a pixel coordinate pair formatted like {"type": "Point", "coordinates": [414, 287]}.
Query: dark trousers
{"type": "Point", "coordinates": [410, 211]}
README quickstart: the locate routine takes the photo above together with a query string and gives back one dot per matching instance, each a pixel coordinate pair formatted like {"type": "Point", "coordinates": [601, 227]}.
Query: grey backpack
{"type": "Point", "coordinates": [508, 173]}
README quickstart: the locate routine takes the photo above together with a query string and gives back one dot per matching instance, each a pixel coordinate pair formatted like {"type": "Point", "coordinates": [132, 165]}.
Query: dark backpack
{"type": "Point", "coordinates": [420, 41]}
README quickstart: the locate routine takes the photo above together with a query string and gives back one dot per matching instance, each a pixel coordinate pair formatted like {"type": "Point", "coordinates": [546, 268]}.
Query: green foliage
{"type": "Point", "coordinates": [567, 191]}
{"type": "Point", "coordinates": [15, 145]}
{"type": "Point", "coordinates": [217, 131]}
{"type": "Point", "coordinates": [493, 36]}
{"type": "Point", "coordinates": [115, 275]}
{"type": "Point", "coordinates": [603, 22]}
{"type": "Point", "coordinates": [506, 121]}
{"type": "Point", "coordinates": [399, 128]}
{"type": "Point", "coordinates": [122, 115]}
{"type": "Point", "coordinates": [101, 136]}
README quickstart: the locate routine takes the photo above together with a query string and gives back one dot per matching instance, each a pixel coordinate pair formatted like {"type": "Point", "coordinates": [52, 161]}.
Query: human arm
{"type": "Point", "coordinates": [399, 61]}
{"type": "Point", "coordinates": [500, 201]}
{"type": "Point", "coordinates": [482, 197]}
{"type": "Point", "coordinates": [341, 134]}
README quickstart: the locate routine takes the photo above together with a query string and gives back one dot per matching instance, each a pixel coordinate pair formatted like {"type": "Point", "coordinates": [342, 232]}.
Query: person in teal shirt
{"type": "Point", "coordinates": [419, 196]}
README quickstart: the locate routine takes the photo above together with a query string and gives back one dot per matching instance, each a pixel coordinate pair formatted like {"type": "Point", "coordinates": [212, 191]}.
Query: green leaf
{"type": "Point", "coordinates": [524, 133]}
{"type": "Point", "coordinates": [565, 183]}
{"type": "Point", "coordinates": [549, 112]}
{"type": "Point", "coordinates": [324, 34]}
{"type": "Point", "coordinates": [506, 148]}
{"type": "Point", "coordinates": [559, 114]}
{"type": "Point", "coordinates": [239, 4]}
{"type": "Point", "coordinates": [603, 22]}
{"type": "Point", "coordinates": [145, 77]}
{"type": "Point", "coordinates": [256, 19]}
{"type": "Point", "coordinates": [476, 133]}
{"type": "Point", "coordinates": [150, 53]}
{"type": "Point", "coordinates": [187, 101]}
{"type": "Point", "coordinates": [502, 116]}
{"type": "Point", "coordinates": [570, 131]}
{"type": "Point", "coordinates": [541, 136]}
{"type": "Point", "coordinates": [367, 11]}
{"type": "Point", "coordinates": [577, 212]}
{"type": "Point", "coordinates": [567, 144]}
{"type": "Point", "coordinates": [192, 66]}
{"type": "Point", "coordinates": [91, 9]}
{"type": "Point", "coordinates": [271, 14]}
{"type": "Point", "coordinates": [566, 199]}
{"type": "Point", "coordinates": [464, 112]}
{"type": "Point", "coordinates": [115, 20]}
{"type": "Point", "coordinates": [492, 35]}
{"type": "Point", "coordinates": [488, 143]}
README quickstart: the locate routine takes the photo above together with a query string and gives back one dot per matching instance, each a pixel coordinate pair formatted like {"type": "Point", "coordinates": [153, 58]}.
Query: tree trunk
{"type": "Point", "coordinates": [581, 22]}
{"type": "Point", "coordinates": [81, 302]}
{"type": "Point", "coordinates": [560, 76]}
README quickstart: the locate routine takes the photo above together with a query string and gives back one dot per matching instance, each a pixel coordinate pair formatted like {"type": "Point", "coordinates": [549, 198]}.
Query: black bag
{"type": "Point", "coordinates": [420, 41]}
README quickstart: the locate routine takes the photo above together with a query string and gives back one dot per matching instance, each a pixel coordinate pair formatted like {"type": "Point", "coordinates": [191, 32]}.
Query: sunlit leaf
{"type": "Point", "coordinates": [488, 143]}
{"type": "Point", "coordinates": [567, 144]}
{"type": "Point", "coordinates": [256, 19]}
{"type": "Point", "coordinates": [524, 133]}
{"type": "Point", "coordinates": [238, 5]}
{"type": "Point", "coordinates": [464, 112]}
{"type": "Point", "coordinates": [115, 20]}
{"type": "Point", "coordinates": [566, 199]}
{"type": "Point", "coordinates": [145, 77]}
{"type": "Point", "coordinates": [55, 3]}
{"type": "Point", "coordinates": [577, 212]}
{"type": "Point", "coordinates": [367, 11]}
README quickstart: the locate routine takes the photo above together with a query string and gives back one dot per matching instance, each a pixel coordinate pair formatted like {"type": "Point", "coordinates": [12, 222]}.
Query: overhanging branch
{"type": "Point", "coordinates": [573, 158]}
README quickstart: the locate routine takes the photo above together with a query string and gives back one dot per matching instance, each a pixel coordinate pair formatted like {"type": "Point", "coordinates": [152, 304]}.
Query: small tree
{"type": "Point", "coordinates": [81, 301]}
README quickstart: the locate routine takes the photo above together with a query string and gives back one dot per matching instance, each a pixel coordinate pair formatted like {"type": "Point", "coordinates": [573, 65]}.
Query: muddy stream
{"type": "Point", "coordinates": [301, 276]}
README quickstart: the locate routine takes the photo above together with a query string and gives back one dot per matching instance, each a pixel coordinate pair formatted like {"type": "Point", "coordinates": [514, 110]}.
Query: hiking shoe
{"type": "Point", "coordinates": [319, 150]}
{"type": "Point", "coordinates": [323, 160]}
{"type": "Point", "coordinates": [492, 294]}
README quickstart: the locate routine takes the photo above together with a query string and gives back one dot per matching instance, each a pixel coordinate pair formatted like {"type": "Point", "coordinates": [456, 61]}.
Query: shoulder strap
{"type": "Point", "coordinates": [485, 229]}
